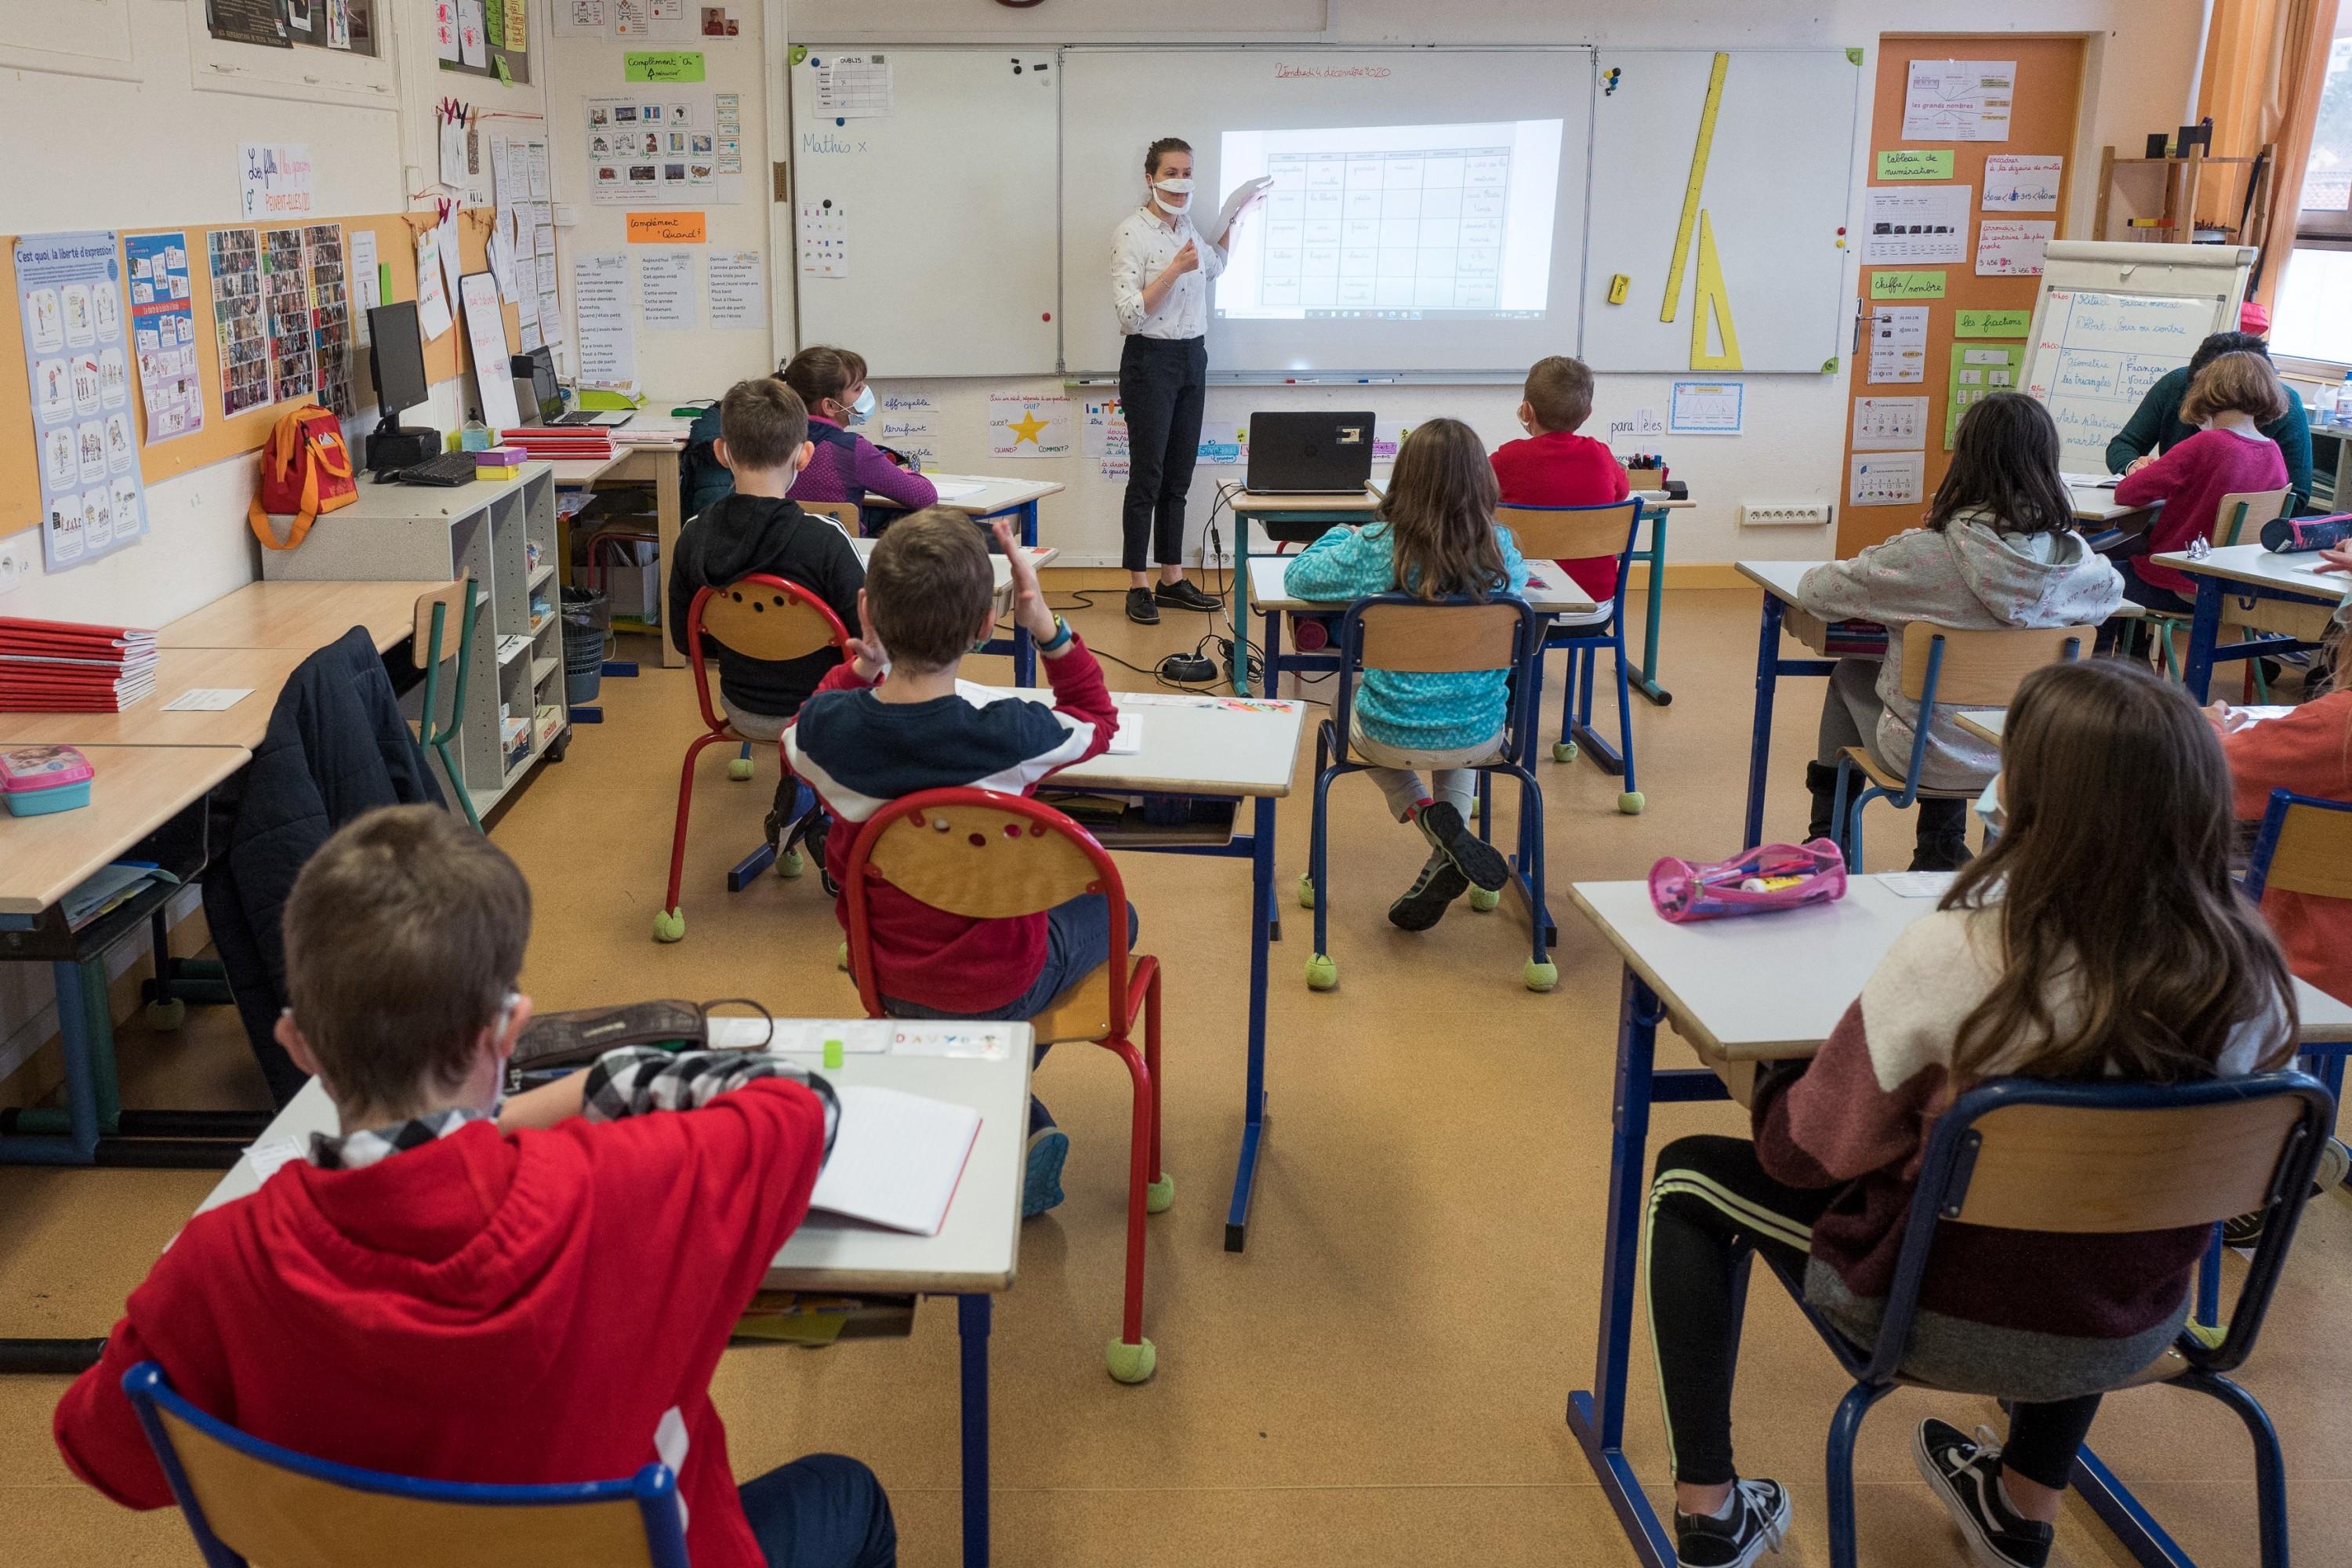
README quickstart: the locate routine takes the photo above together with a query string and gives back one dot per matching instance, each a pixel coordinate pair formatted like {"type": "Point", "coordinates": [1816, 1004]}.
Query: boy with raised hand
{"type": "Point", "coordinates": [462, 1290]}
{"type": "Point", "coordinates": [890, 722]}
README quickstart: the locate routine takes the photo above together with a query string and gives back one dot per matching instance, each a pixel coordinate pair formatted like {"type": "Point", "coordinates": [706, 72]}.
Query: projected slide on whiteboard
{"type": "Point", "coordinates": [1393, 222]}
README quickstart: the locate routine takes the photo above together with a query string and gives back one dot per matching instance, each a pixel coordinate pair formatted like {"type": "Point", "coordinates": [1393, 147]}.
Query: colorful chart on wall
{"type": "Point", "coordinates": [163, 334]}
{"type": "Point", "coordinates": [70, 299]}
{"type": "Point", "coordinates": [1720, 187]}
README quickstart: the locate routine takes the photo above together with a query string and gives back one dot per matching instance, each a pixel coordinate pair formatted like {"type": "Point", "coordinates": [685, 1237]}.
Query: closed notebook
{"type": "Point", "coordinates": [897, 1159]}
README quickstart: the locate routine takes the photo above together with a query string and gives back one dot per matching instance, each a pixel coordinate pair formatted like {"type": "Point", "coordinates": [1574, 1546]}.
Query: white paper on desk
{"type": "Point", "coordinates": [897, 1159]}
{"type": "Point", "coordinates": [207, 699]}
{"type": "Point", "coordinates": [267, 1159]}
{"type": "Point", "coordinates": [1915, 884]}
{"type": "Point", "coordinates": [2089, 481]}
{"type": "Point", "coordinates": [957, 489]}
{"type": "Point", "coordinates": [1129, 742]}
{"type": "Point", "coordinates": [858, 1037]}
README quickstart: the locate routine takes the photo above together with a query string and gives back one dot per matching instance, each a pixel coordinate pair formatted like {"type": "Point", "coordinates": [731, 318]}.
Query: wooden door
{"type": "Point", "coordinates": [2048, 88]}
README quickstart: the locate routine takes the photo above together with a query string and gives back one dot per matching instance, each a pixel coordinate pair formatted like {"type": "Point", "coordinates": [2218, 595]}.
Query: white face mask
{"type": "Point", "coordinates": [1173, 187]}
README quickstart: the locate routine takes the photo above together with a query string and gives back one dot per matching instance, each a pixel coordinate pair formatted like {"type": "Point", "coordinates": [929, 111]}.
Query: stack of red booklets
{"type": "Point", "coordinates": [66, 666]}
{"type": "Point", "coordinates": [559, 443]}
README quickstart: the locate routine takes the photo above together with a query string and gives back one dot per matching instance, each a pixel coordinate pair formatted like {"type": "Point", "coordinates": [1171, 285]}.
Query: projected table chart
{"type": "Point", "coordinates": [1417, 229]}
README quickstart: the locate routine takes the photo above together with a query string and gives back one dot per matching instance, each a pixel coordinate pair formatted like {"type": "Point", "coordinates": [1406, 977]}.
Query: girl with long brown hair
{"type": "Point", "coordinates": [1433, 537]}
{"type": "Point", "coordinates": [2099, 937]}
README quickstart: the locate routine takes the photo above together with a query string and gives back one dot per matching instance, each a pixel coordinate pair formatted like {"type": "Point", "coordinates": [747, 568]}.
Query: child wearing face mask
{"type": "Point", "coordinates": [832, 382]}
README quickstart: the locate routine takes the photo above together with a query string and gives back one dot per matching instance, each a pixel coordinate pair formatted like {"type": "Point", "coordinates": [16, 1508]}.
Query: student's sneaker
{"type": "Point", "coordinates": [1966, 1473]}
{"type": "Point", "coordinates": [1475, 859]}
{"type": "Point", "coordinates": [1181, 595]}
{"type": "Point", "coordinates": [1041, 1186]}
{"type": "Point", "coordinates": [1423, 904]}
{"type": "Point", "coordinates": [1138, 607]}
{"type": "Point", "coordinates": [1758, 1520]}
{"type": "Point", "coordinates": [2246, 1229]}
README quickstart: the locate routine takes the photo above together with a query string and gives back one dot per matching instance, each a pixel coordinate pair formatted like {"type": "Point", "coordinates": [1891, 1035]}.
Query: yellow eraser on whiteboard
{"type": "Point", "coordinates": [1617, 287]}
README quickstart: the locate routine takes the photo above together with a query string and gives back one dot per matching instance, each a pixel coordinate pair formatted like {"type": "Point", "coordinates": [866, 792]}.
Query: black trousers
{"type": "Point", "coordinates": [1711, 1203]}
{"type": "Point", "coordinates": [1163, 383]}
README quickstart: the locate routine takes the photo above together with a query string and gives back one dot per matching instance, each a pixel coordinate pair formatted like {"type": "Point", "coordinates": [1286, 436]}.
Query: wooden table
{"type": "Point", "coordinates": [305, 615]}
{"type": "Point", "coordinates": [263, 671]}
{"type": "Point", "coordinates": [974, 1257]}
{"type": "Point", "coordinates": [137, 789]}
{"type": "Point", "coordinates": [1739, 991]}
{"type": "Point", "coordinates": [2283, 595]}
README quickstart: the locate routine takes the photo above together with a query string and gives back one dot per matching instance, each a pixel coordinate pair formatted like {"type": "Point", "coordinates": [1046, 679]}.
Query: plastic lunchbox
{"type": "Point", "coordinates": [36, 780]}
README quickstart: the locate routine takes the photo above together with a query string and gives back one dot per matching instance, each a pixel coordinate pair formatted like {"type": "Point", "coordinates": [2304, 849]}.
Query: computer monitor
{"type": "Point", "coordinates": [397, 365]}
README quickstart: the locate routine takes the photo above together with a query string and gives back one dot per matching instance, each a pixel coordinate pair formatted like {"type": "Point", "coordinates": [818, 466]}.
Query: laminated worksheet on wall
{"type": "Point", "coordinates": [608, 339]}
{"type": "Point", "coordinates": [739, 284]}
{"type": "Point", "coordinates": [658, 145]}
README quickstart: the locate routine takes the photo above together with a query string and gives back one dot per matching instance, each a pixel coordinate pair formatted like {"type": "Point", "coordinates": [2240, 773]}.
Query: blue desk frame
{"type": "Point", "coordinates": [1597, 1415]}
{"type": "Point", "coordinates": [2205, 628]}
{"type": "Point", "coordinates": [1770, 668]}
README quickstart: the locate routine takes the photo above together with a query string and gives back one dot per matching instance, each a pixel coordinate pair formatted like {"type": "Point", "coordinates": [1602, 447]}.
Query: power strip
{"type": "Point", "coordinates": [1799, 515]}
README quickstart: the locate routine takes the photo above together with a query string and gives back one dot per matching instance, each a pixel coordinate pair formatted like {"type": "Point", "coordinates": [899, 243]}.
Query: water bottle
{"type": "Point", "coordinates": [2344, 400]}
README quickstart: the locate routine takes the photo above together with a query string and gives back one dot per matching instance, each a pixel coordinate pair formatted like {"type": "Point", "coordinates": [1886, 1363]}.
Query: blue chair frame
{"type": "Point", "coordinates": [654, 1487]}
{"type": "Point", "coordinates": [2328, 1067]}
{"type": "Point", "coordinates": [1331, 759]}
{"type": "Point", "coordinates": [1845, 818]}
{"type": "Point", "coordinates": [1943, 1180]}
{"type": "Point", "coordinates": [1584, 644]}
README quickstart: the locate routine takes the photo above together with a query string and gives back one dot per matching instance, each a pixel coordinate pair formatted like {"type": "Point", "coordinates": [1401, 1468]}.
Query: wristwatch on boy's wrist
{"type": "Point", "coordinates": [1060, 640]}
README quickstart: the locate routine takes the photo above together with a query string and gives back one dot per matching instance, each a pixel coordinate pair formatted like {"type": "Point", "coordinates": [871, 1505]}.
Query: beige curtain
{"type": "Point", "coordinates": [2265, 61]}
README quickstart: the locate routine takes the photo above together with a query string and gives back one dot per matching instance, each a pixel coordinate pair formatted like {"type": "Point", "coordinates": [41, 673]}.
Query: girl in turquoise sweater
{"type": "Point", "coordinates": [1435, 535]}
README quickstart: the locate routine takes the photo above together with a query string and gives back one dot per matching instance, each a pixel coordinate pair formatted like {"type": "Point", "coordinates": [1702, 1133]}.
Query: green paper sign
{"type": "Point", "coordinates": [663, 64]}
{"type": "Point", "coordinates": [1916, 164]}
{"type": "Point", "coordinates": [1977, 371]}
{"type": "Point", "coordinates": [1907, 285]}
{"type": "Point", "coordinates": [1992, 324]}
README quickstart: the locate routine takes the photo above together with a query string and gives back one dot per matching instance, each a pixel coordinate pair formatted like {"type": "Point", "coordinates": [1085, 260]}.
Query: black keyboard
{"type": "Point", "coordinates": [449, 469]}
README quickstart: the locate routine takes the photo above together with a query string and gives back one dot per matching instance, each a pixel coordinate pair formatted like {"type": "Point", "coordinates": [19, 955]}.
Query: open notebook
{"type": "Point", "coordinates": [896, 1158]}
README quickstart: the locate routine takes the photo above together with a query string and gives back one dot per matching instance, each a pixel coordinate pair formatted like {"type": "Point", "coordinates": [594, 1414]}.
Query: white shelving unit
{"type": "Point", "coordinates": [502, 533]}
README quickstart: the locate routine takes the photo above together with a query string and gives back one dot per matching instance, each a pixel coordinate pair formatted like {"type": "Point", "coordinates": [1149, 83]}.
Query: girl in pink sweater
{"type": "Point", "coordinates": [2231, 398]}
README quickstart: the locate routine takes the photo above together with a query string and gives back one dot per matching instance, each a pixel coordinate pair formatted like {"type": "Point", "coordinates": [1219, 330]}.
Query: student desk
{"type": "Point", "coordinates": [2298, 603]}
{"type": "Point", "coordinates": [1015, 499]}
{"type": "Point", "coordinates": [262, 671]}
{"type": "Point", "coordinates": [973, 1258]}
{"type": "Point", "coordinates": [645, 451]}
{"type": "Point", "coordinates": [1211, 753]}
{"type": "Point", "coordinates": [1019, 645]}
{"type": "Point", "coordinates": [305, 615]}
{"type": "Point", "coordinates": [1287, 520]}
{"type": "Point", "coordinates": [1726, 987]}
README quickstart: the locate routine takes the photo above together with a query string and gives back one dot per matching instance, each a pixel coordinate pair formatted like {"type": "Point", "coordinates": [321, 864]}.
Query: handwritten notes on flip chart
{"type": "Point", "coordinates": [2098, 355]}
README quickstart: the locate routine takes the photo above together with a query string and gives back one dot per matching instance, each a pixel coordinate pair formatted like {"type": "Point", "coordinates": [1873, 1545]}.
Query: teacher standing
{"type": "Point", "coordinates": [1160, 268]}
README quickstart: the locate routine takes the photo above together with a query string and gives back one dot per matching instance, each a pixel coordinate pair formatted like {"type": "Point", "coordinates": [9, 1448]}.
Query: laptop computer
{"type": "Point", "coordinates": [544, 403]}
{"type": "Point", "coordinates": [1310, 454]}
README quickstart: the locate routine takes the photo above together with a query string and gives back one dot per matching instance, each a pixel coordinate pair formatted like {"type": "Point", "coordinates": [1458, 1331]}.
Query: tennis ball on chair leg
{"type": "Point", "coordinates": [1631, 803]}
{"type": "Point", "coordinates": [1483, 899]}
{"type": "Point", "coordinates": [167, 1015]}
{"type": "Point", "coordinates": [1132, 1363]}
{"type": "Point", "coordinates": [739, 768]}
{"type": "Point", "coordinates": [790, 863]}
{"type": "Point", "coordinates": [1305, 889]}
{"type": "Point", "coordinates": [1563, 751]}
{"type": "Point", "coordinates": [1322, 973]}
{"type": "Point", "coordinates": [1540, 976]}
{"type": "Point", "coordinates": [669, 925]}
{"type": "Point", "coordinates": [1158, 1194]}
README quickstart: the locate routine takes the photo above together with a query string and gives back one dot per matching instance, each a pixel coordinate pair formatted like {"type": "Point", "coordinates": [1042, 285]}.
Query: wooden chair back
{"type": "Point", "coordinates": [250, 1501]}
{"type": "Point", "coordinates": [841, 512]}
{"type": "Point", "coordinates": [1440, 638]}
{"type": "Point", "coordinates": [452, 600]}
{"type": "Point", "coordinates": [2062, 1168]}
{"type": "Point", "coordinates": [1981, 668]}
{"type": "Point", "coordinates": [2310, 847]}
{"type": "Point", "coordinates": [1571, 532]}
{"type": "Point", "coordinates": [984, 860]}
{"type": "Point", "coordinates": [765, 617]}
{"type": "Point", "coordinates": [2243, 508]}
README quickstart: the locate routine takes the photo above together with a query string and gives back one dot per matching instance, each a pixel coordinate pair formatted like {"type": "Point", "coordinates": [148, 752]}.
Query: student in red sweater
{"type": "Point", "coordinates": [1556, 466]}
{"type": "Point", "coordinates": [2100, 936]}
{"type": "Point", "coordinates": [2231, 398]}
{"type": "Point", "coordinates": [892, 722]}
{"type": "Point", "coordinates": [456, 1290]}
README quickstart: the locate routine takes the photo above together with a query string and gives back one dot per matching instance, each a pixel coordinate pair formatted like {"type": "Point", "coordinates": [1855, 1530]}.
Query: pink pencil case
{"type": "Point", "coordinates": [1767, 878]}
{"type": "Point", "coordinates": [38, 780]}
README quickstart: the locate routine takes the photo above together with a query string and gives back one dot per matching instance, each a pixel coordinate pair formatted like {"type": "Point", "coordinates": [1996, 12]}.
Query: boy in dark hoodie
{"type": "Point", "coordinates": [763, 441]}
{"type": "Point", "coordinates": [450, 1286]}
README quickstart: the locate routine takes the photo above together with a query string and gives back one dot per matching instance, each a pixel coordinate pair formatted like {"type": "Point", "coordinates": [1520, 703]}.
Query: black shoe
{"type": "Point", "coordinates": [1138, 607]}
{"type": "Point", "coordinates": [1820, 782]}
{"type": "Point", "coordinates": [2246, 1230]}
{"type": "Point", "coordinates": [1423, 904]}
{"type": "Point", "coordinates": [1181, 595]}
{"type": "Point", "coordinates": [1476, 859]}
{"type": "Point", "coordinates": [1945, 852]}
{"type": "Point", "coordinates": [1759, 1518]}
{"type": "Point", "coordinates": [1966, 1473]}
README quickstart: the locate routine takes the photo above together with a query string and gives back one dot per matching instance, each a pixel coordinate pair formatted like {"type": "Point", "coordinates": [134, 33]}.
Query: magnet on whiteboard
{"type": "Point", "coordinates": [1617, 287]}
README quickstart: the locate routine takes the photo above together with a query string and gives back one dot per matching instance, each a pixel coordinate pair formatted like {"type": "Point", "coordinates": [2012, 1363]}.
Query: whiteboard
{"type": "Point", "coordinates": [1773, 192]}
{"type": "Point", "coordinates": [1117, 101]}
{"type": "Point", "coordinates": [945, 209]}
{"type": "Point", "coordinates": [2110, 318]}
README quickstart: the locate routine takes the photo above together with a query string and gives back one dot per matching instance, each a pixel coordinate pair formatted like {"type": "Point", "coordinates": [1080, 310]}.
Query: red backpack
{"type": "Point", "coordinates": [305, 469]}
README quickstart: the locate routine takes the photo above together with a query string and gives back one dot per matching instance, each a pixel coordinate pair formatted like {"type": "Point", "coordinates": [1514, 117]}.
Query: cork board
{"type": "Point", "coordinates": [221, 437]}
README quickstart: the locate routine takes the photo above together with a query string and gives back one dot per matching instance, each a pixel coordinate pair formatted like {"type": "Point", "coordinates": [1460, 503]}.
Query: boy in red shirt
{"type": "Point", "coordinates": [1556, 466]}
{"type": "Point", "coordinates": [464, 1292]}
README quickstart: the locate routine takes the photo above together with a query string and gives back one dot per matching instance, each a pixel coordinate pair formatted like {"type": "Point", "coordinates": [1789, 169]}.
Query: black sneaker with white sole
{"type": "Point", "coordinates": [2245, 1231]}
{"type": "Point", "coordinates": [1139, 609]}
{"type": "Point", "coordinates": [1450, 836]}
{"type": "Point", "coordinates": [1757, 1521]}
{"type": "Point", "coordinates": [1181, 595]}
{"type": "Point", "coordinates": [1423, 904]}
{"type": "Point", "coordinates": [1966, 1473]}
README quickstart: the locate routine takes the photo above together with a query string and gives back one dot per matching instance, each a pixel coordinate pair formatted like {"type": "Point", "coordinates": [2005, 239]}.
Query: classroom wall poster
{"type": "Point", "coordinates": [2018, 183]}
{"type": "Point", "coordinates": [659, 146]}
{"type": "Point", "coordinates": [1977, 371]}
{"type": "Point", "coordinates": [1915, 224]}
{"type": "Point", "coordinates": [1890, 424]}
{"type": "Point", "coordinates": [608, 340]}
{"type": "Point", "coordinates": [1886, 479]}
{"type": "Point", "coordinates": [285, 313]}
{"type": "Point", "coordinates": [1898, 343]}
{"type": "Point", "coordinates": [1102, 428]}
{"type": "Point", "coordinates": [1958, 100]}
{"type": "Point", "coordinates": [2013, 248]}
{"type": "Point", "coordinates": [1706, 407]}
{"type": "Point", "coordinates": [331, 316]}
{"type": "Point", "coordinates": [70, 297]}
{"type": "Point", "coordinates": [164, 335]}
{"type": "Point", "coordinates": [1020, 425]}
{"type": "Point", "coordinates": [234, 258]}
{"type": "Point", "coordinates": [738, 289]}
{"type": "Point", "coordinates": [273, 178]}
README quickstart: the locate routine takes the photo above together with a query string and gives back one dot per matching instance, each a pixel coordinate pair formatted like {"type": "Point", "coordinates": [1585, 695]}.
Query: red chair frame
{"type": "Point", "coordinates": [1142, 988]}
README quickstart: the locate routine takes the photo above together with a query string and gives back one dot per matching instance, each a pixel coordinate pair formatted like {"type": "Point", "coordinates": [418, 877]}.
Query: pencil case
{"type": "Point", "coordinates": [38, 780]}
{"type": "Point", "coordinates": [1767, 878]}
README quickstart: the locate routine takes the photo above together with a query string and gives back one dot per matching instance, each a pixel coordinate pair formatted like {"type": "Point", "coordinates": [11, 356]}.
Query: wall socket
{"type": "Point", "coordinates": [16, 561]}
{"type": "Point", "coordinates": [1754, 516]}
